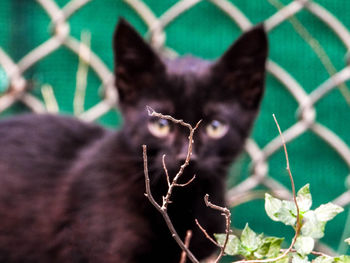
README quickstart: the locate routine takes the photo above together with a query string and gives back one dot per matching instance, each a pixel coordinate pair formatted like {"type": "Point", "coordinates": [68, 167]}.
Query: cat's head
{"type": "Point", "coordinates": [224, 94]}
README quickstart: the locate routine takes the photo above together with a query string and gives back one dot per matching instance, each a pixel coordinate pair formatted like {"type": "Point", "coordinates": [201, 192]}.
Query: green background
{"type": "Point", "coordinates": [206, 31]}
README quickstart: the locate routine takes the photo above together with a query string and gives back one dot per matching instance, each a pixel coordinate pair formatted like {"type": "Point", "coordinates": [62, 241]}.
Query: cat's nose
{"type": "Point", "coordinates": [183, 151]}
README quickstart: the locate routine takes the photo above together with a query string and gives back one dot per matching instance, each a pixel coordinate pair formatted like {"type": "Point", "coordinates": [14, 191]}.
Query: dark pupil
{"type": "Point", "coordinates": [215, 124]}
{"type": "Point", "coordinates": [163, 123]}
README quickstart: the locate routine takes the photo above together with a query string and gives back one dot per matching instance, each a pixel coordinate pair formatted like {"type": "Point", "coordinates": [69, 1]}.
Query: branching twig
{"type": "Point", "coordinates": [166, 200]}
{"type": "Point", "coordinates": [151, 112]}
{"type": "Point", "coordinates": [187, 244]}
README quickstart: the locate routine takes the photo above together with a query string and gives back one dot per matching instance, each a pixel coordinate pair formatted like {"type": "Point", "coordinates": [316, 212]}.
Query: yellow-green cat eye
{"type": "Point", "coordinates": [216, 129]}
{"type": "Point", "coordinates": [159, 127]}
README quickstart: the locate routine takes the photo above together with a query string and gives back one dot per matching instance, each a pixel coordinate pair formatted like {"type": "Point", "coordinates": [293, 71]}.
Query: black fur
{"type": "Point", "coordinates": [74, 192]}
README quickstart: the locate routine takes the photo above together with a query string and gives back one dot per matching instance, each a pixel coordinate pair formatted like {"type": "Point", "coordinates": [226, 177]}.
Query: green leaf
{"type": "Point", "coordinates": [347, 240]}
{"type": "Point", "coordinates": [323, 259]}
{"type": "Point", "coordinates": [312, 227]}
{"type": "Point", "coordinates": [261, 252]}
{"type": "Point", "coordinates": [304, 245]}
{"type": "Point", "coordinates": [283, 211]}
{"type": "Point", "coordinates": [287, 213]}
{"type": "Point", "coordinates": [328, 211]}
{"type": "Point", "coordinates": [304, 199]}
{"type": "Point", "coordinates": [275, 246]}
{"type": "Point", "coordinates": [299, 259]}
{"type": "Point", "coordinates": [342, 259]}
{"type": "Point", "coordinates": [250, 240]}
{"type": "Point", "coordinates": [233, 246]}
{"type": "Point", "coordinates": [269, 247]}
{"type": "Point", "coordinates": [272, 206]}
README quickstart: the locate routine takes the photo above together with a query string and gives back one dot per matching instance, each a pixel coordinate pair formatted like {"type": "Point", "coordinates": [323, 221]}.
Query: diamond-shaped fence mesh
{"type": "Point", "coordinates": [55, 56]}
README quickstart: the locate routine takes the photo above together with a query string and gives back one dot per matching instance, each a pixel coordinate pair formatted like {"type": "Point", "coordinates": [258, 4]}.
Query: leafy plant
{"type": "Point", "coordinates": [312, 223]}
{"type": "Point", "coordinates": [251, 245]}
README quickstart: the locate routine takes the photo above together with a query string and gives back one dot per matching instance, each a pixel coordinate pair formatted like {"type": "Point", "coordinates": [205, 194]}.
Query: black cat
{"type": "Point", "coordinates": [74, 192]}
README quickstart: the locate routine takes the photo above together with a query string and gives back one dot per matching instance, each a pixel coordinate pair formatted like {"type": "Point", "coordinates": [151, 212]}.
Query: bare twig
{"type": "Point", "coordinates": [206, 234]}
{"type": "Point", "coordinates": [225, 212]}
{"type": "Point", "coordinates": [165, 170]}
{"type": "Point", "coordinates": [187, 183]}
{"type": "Point", "coordinates": [187, 244]}
{"type": "Point", "coordinates": [298, 225]}
{"type": "Point", "coordinates": [166, 199]}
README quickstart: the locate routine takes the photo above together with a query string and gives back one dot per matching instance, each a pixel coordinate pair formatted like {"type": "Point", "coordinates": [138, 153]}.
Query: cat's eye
{"type": "Point", "coordinates": [159, 127]}
{"type": "Point", "coordinates": [216, 129]}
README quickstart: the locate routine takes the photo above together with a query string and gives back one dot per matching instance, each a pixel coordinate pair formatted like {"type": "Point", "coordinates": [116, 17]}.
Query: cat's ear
{"type": "Point", "coordinates": [241, 69]}
{"type": "Point", "coordinates": [135, 63]}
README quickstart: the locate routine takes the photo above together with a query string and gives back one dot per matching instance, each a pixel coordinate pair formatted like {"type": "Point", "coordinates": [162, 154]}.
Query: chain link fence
{"type": "Point", "coordinates": [306, 85]}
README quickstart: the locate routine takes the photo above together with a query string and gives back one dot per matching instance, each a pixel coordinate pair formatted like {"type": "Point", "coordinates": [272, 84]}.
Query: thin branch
{"type": "Point", "coordinates": [152, 112]}
{"type": "Point", "coordinates": [187, 244]}
{"type": "Point", "coordinates": [147, 180]}
{"type": "Point", "coordinates": [298, 223]}
{"type": "Point", "coordinates": [187, 183]}
{"type": "Point", "coordinates": [225, 212]}
{"type": "Point", "coordinates": [166, 199]}
{"type": "Point", "coordinates": [165, 170]}
{"type": "Point", "coordinates": [316, 253]}
{"type": "Point", "coordinates": [206, 234]}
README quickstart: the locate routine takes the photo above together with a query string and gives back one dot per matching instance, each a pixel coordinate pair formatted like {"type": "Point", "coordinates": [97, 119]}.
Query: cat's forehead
{"type": "Point", "coordinates": [187, 65]}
